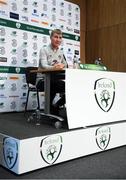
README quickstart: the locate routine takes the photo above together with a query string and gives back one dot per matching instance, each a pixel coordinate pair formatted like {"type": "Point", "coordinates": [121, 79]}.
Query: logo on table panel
{"type": "Point", "coordinates": [50, 148]}
{"type": "Point", "coordinates": [10, 151]}
{"type": "Point", "coordinates": [104, 93]}
{"type": "Point", "coordinates": [103, 135]}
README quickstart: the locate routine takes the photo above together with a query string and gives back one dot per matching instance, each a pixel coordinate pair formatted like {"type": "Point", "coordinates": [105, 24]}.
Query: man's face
{"type": "Point", "coordinates": [56, 40]}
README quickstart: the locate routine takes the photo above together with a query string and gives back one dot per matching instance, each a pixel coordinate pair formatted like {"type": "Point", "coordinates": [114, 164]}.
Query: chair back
{"type": "Point", "coordinates": [30, 77]}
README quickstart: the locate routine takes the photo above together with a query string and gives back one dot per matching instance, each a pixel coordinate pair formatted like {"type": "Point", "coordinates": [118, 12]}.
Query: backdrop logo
{"type": "Point", "coordinates": [50, 148]}
{"type": "Point", "coordinates": [2, 105]}
{"type": "Point", "coordinates": [13, 105]}
{"type": "Point", "coordinates": [17, 69]}
{"type": "Point", "coordinates": [104, 93]}
{"type": "Point", "coordinates": [103, 135]}
{"type": "Point", "coordinates": [10, 151]}
{"type": "Point", "coordinates": [18, 25]}
{"type": "Point", "coordinates": [3, 59]}
{"type": "Point", "coordinates": [13, 87]}
{"type": "Point", "coordinates": [2, 86]}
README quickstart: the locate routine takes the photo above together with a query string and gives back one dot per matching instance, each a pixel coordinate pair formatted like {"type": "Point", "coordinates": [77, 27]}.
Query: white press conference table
{"type": "Point", "coordinates": [84, 90]}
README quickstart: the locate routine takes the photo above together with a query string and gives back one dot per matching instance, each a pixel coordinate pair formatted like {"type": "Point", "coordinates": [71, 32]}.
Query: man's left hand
{"type": "Point", "coordinates": [59, 65]}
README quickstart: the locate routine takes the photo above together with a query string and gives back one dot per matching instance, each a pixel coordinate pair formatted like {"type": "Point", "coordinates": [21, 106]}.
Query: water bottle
{"type": "Point", "coordinates": [76, 62]}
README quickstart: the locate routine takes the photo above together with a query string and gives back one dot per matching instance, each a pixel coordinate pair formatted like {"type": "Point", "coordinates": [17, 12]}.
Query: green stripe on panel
{"type": "Point", "coordinates": [15, 70]}
{"type": "Point", "coordinates": [35, 29]}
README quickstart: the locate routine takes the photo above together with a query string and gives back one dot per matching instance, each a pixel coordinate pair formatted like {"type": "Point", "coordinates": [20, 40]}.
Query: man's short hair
{"type": "Point", "coordinates": [57, 31]}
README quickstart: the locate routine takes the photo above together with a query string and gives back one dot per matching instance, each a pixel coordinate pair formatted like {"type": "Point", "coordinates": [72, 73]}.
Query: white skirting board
{"type": "Point", "coordinates": [21, 156]}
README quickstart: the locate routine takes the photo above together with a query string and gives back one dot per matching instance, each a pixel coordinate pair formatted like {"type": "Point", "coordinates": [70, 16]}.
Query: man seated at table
{"type": "Point", "coordinates": [52, 57]}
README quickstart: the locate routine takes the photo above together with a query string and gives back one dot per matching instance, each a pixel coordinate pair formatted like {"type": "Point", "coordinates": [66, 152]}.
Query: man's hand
{"type": "Point", "coordinates": [59, 66]}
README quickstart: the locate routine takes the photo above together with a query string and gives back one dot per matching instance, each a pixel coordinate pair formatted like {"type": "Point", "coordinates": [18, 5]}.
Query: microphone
{"type": "Point", "coordinates": [65, 60]}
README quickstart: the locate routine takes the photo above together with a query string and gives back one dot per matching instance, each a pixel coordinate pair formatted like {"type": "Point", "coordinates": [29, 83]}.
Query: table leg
{"type": "Point", "coordinates": [47, 93]}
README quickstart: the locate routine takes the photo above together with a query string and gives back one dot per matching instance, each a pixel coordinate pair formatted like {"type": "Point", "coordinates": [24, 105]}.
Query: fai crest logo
{"type": "Point", "coordinates": [50, 148]}
{"type": "Point", "coordinates": [10, 151]}
{"type": "Point", "coordinates": [103, 135]}
{"type": "Point", "coordinates": [104, 93]}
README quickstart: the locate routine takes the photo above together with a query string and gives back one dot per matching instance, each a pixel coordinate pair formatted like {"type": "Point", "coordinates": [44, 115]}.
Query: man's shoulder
{"type": "Point", "coordinates": [45, 48]}
{"type": "Point", "coordinates": [61, 50]}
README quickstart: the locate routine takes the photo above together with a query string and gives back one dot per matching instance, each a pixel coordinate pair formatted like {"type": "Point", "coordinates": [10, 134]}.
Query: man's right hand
{"type": "Point", "coordinates": [59, 65]}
